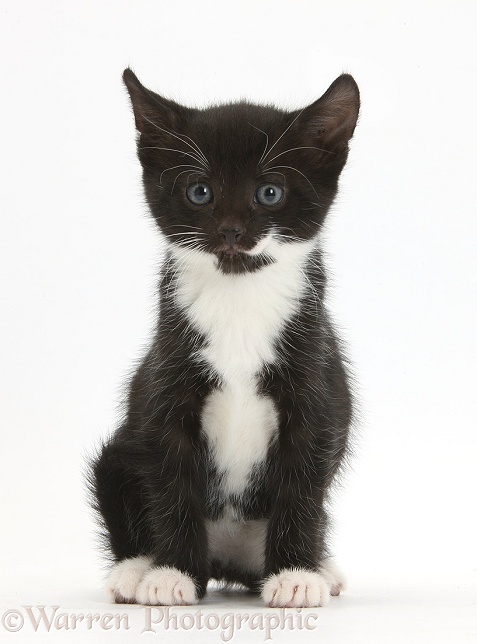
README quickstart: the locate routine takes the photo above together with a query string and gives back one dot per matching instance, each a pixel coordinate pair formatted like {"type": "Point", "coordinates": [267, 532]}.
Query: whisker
{"type": "Point", "coordinates": [201, 154]}
{"type": "Point", "coordinates": [187, 232]}
{"type": "Point", "coordinates": [154, 147]}
{"type": "Point", "coordinates": [183, 172]}
{"type": "Point", "coordinates": [182, 165]}
{"type": "Point", "coordinates": [185, 226]}
{"type": "Point", "coordinates": [189, 244]}
{"type": "Point", "coordinates": [278, 232]}
{"type": "Point", "coordinates": [266, 144]}
{"type": "Point", "coordinates": [292, 168]}
{"type": "Point", "coordinates": [303, 147]}
{"type": "Point", "coordinates": [197, 148]}
{"type": "Point", "coordinates": [281, 173]}
{"type": "Point", "coordinates": [284, 236]}
{"type": "Point", "coordinates": [282, 135]}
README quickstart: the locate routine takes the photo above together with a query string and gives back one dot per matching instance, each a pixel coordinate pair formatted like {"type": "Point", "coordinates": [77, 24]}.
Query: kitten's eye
{"type": "Point", "coordinates": [269, 194]}
{"type": "Point", "coordinates": [199, 194]}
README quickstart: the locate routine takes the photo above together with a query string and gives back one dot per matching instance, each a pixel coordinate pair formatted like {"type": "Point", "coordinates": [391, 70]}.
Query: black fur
{"type": "Point", "coordinates": [154, 482]}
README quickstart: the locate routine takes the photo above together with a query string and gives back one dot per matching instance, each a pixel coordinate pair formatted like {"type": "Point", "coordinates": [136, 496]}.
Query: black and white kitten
{"type": "Point", "coordinates": [238, 416]}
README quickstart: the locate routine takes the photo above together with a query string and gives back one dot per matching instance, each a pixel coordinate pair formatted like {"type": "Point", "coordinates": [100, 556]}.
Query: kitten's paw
{"type": "Point", "coordinates": [166, 587]}
{"type": "Point", "coordinates": [125, 577]}
{"type": "Point", "coordinates": [333, 575]}
{"type": "Point", "coordinates": [296, 588]}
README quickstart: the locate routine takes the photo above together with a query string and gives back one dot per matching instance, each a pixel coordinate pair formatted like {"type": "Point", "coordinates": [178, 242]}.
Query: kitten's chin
{"type": "Point", "coordinates": [237, 259]}
{"type": "Point", "coordinates": [240, 262]}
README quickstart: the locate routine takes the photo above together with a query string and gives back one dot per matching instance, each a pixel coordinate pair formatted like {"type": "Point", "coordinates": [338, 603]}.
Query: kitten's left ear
{"type": "Point", "coordinates": [333, 117]}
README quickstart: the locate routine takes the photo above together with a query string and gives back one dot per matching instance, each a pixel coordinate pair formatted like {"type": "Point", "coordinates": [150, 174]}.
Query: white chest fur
{"type": "Point", "coordinates": [241, 317]}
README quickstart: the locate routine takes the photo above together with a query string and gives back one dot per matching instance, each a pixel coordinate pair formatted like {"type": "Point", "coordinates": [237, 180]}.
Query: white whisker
{"type": "Point", "coordinates": [197, 148]}
{"type": "Point", "coordinates": [155, 147]}
{"type": "Point", "coordinates": [186, 226]}
{"type": "Point", "coordinates": [182, 165]}
{"type": "Point", "coordinates": [302, 147]}
{"type": "Point", "coordinates": [281, 173]}
{"type": "Point", "coordinates": [266, 144]}
{"type": "Point", "coordinates": [292, 168]}
{"type": "Point", "coordinates": [282, 135]}
{"type": "Point", "coordinates": [183, 172]}
{"type": "Point", "coordinates": [202, 158]}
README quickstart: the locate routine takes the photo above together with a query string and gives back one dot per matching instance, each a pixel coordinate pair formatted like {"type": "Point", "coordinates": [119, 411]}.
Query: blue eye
{"type": "Point", "coordinates": [269, 194]}
{"type": "Point", "coordinates": [199, 194]}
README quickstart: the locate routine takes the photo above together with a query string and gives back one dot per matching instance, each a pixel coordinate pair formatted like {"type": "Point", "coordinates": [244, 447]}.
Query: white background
{"type": "Point", "coordinates": [79, 256]}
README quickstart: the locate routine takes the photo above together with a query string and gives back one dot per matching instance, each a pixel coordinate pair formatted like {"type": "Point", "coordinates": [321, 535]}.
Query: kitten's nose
{"type": "Point", "coordinates": [231, 235]}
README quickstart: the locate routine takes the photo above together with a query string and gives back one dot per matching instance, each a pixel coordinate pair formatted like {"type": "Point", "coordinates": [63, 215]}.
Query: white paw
{"type": "Point", "coordinates": [125, 577]}
{"type": "Point", "coordinates": [333, 575]}
{"type": "Point", "coordinates": [166, 587]}
{"type": "Point", "coordinates": [296, 588]}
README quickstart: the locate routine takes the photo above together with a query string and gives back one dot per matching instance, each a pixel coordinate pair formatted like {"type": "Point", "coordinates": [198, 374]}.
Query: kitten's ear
{"type": "Point", "coordinates": [333, 117]}
{"type": "Point", "coordinates": [151, 111]}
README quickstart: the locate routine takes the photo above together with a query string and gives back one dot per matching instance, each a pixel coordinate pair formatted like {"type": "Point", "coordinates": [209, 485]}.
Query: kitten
{"type": "Point", "coordinates": [238, 417]}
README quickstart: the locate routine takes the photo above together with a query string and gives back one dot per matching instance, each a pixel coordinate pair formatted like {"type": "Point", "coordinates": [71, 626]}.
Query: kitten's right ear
{"type": "Point", "coordinates": [332, 118]}
{"type": "Point", "coordinates": [152, 112]}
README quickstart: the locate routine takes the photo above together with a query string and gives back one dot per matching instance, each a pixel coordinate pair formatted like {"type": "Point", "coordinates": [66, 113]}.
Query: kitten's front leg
{"type": "Point", "coordinates": [179, 572]}
{"type": "Point", "coordinates": [171, 567]}
{"type": "Point", "coordinates": [297, 574]}
{"type": "Point", "coordinates": [294, 547]}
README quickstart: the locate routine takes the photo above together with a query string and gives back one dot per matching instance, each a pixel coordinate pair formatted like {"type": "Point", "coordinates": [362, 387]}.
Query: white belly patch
{"type": "Point", "coordinates": [239, 425]}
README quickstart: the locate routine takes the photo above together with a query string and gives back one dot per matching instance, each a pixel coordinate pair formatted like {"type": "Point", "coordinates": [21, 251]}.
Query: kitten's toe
{"type": "Point", "coordinates": [125, 578]}
{"type": "Point", "coordinates": [166, 587]}
{"type": "Point", "coordinates": [333, 575]}
{"type": "Point", "coordinates": [296, 588]}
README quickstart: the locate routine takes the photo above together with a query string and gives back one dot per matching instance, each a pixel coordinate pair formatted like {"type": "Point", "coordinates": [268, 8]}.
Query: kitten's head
{"type": "Point", "coordinates": [235, 180]}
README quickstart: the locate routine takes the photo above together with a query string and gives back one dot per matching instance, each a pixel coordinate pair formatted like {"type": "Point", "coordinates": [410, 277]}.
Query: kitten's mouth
{"type": "Point", "coordinates": [238, 259]}
{"type": "Point", "coordinates": [225, 250]}
{"type": "Point", "coordinates": [236, 250]}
